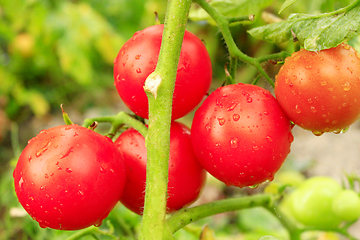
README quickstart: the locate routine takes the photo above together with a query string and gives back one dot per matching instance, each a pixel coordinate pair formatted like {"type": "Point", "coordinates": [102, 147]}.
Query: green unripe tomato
{"type": "Point", "coordinates": [311, 203]}
{"type": "Point", "coordinates": [346, 205]}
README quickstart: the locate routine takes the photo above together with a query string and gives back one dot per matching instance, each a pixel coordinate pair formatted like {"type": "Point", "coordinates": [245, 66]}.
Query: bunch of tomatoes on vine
{"type": "Point", "coordinates": [70, 177]}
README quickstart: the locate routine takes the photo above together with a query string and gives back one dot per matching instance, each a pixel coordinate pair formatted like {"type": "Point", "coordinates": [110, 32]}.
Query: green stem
{"type": "Point", "coordinates": [159, 87]}
{"type": "Point", "coordinates": [90, 230]}
{"type": "Point", "coordinates": [234, 51]}
{"type": "Point", "coordinates": [117, 121]}
{"type": "Point", "coordinates": [189, 215]}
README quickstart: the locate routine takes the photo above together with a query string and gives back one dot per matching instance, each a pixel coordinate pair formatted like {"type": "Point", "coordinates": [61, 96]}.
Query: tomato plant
{"type": "Point", "coordinates": [320, 91]}
{"type": "Point", "coordinates": [186, 176]}
{"type": "Point", "coordinates": [69, 177]}
{"type": "Point", "coordinates": [240, 135]}
{"type": "Point", "coordinates": [138, 58]}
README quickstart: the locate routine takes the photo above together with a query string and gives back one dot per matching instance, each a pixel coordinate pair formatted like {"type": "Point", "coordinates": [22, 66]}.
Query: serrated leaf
{"type": "Point", "coordinates": [314, 32]}
{"type": "Point", "coordinates": [286, 4]}
{"type": "Point", "coordinates": [230, 8]}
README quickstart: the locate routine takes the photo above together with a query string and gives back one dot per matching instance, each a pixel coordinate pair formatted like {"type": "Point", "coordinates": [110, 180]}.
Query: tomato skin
{"type": "Point", "coordinates": [186, 176]}
{"type": "Point", "coordinates": [240, 135]}
{"type": "Point", "coordinates": [346, 205]}
{"type": "Point", "coordinates": [138, 58]}
{"type": "Point", "coordinates": [320, 91]}
{"type": "Point", "coordinates": [69, 177]}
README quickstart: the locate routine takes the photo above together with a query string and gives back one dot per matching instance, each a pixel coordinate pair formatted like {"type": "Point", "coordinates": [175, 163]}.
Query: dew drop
{"type": "Point", "coordinates": [297, 109]}
{"type": "Point", "coordinates": [269, 139]}
{"type": "Point", "coordinates": [232, 106]}
{"type": "Point", "coordinates": [138, 70]}
{"type": "Point", "coordinates": [67, 128]}
{"type": "Point", "coordinates": [46, 175]}
{"type": "Point", "coordinates": [256, 147]}
{"type": "Point", "coordinates": [98, 224]}
{"type": "Point", "coordinates": [42, 188]}
{"type": "Point", "coordinates": [81, 193]}
{"type": "Point", "coordinates": [324, 83]}
{"type": "Point", "coordinates": [29, 158]}
{"type": "Point", "coordinates": [236, 117]}
{"type": "Point", "coordinates": [312, 109]}
{"type": "Point", "coordinates": [254, 186]}
{"type": "Point", "coordinates": [234, 142]}
{"type": "Point", "coordinates": [221, 121]}
{"type": "Point", "coordinates": [208, 127]}
{"type": "Point", "coordinates": [345, 46]}
{"type": "Point", "coordinates": [68, 170]}
{"type": "Point", "coordinates": [334, 122]}
{"type": "Point", "coordinates": [137, 57]}
{"type": "Point", "coordinates": [67, 153]}
{"type": "Point", "coordinates": [357, 55]}
{"type": "Point", "coordinates": [317, 133]}
{"type": "Point", "coordinates": [346, 86]}
{"type": "Point", "coordinates": [290, 137]}
{"type": "Point", "coordinates": [21, 183]}
{"type": "Point", "coordinates": [249, 99]}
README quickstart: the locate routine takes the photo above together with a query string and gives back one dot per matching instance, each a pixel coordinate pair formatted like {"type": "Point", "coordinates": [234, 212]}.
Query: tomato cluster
{"type": "Point", "coordinates": [241, 134]}
{"type": "Point", "coordinates": [321, 202]}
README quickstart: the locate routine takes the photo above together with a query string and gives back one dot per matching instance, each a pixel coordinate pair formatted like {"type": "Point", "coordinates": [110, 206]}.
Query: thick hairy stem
{"type": "Point", "coordinates": [159, 87]}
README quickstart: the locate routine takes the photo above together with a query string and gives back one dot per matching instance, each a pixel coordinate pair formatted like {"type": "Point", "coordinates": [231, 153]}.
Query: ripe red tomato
{"type": "Point", "coordinates": [186, 176]}
{"type": "Point", "coordinates": [320, 91]}
{"type": "Point", "coordinates": [138, 58]}
{"type": "Point", "coordinates": [240, 135]}
{"type": "Point", "coordinates": [69, 177]}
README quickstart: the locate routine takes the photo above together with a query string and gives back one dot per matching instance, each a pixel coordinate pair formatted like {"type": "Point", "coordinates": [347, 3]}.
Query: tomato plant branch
{"type": "Point", "coordinates": [160, 87]}
{"type": "Point", "coordinates": [189, 215]}
{"type": "Point", "coordinates": [117, 121]}
{"type": "Point", "coordinates": [234, 51]}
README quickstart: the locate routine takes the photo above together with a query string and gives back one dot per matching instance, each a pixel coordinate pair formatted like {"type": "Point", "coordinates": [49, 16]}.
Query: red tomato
{"type": "Point", "coordinates": [320, 91]}
{"type": "Point", "coordinates": [186, 175]}
{"type": "Point", "coordinates": [138, 58]}
{"type": "Point", "coordinates": [240, 135]}
{"type": "Point", "coordinates": [69, 177]}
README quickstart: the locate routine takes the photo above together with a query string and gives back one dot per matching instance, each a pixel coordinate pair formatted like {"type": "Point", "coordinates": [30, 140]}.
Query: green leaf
{"type": "Point", "coordinates": [314, 32]}
{"type": "Point", "coordinates": [286, 4]}
{"type": "Point", "coordinates": [230, 8]}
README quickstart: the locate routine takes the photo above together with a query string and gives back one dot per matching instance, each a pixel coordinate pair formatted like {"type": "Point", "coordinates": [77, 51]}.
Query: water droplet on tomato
{"type": "Point", "coordinates": [345, 46]}
{"type": "Point", "coordinates": [137, 57]}
{"type": "Point", "coordinates": [232, 106]}
{"type": "Point", "coordinates": [29, 158]}
{"type": "Point", "coordinates": [68, 170]}
{"type": "Point", "coordinates": [138, 70]}
{"type": "Point", "coordinates": [46, 175]}
{"type": "Point", "coordinates": [297, 109]}
{"type": "Point", "coordinates": [43, 225]}
{"type": "Point", "coordinates": [208, 127]}
{"type": "Point", "coordinates": [254, 186]}
{"type": "Point", "coordinates": [312, 109]}
{"type": "Point", "coordinates": [317, 133]}
{"type": "Point", "coordinates": [346, 86]}
{"type": "Point", "coordinates": [256, 147]}
{"type": "Point", "coordinates": [269, 139]}
{"type": "Point", "coordinates": [236, 117]}
{"type": "Point", "coordinates": [67, 153]}
{"type": "Point", "coordinates": [67, 128]}
{"type": "Point", "coordinates": [21, 183]}
{"type": "Point", "coordinates": [42, 188]}
{"type": "Point", "coordinates": [221, 121]}
{"type": "Point", "coordinates": [290, 137]}
{"type": "Point", "coordinates": [98, 224]}
{"type": "Point", "coordinates": [323, 83]}
{"type": "Point", "coordinates": [234, 142]}
{"type": "Point", "coordinates": [81, 193]}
